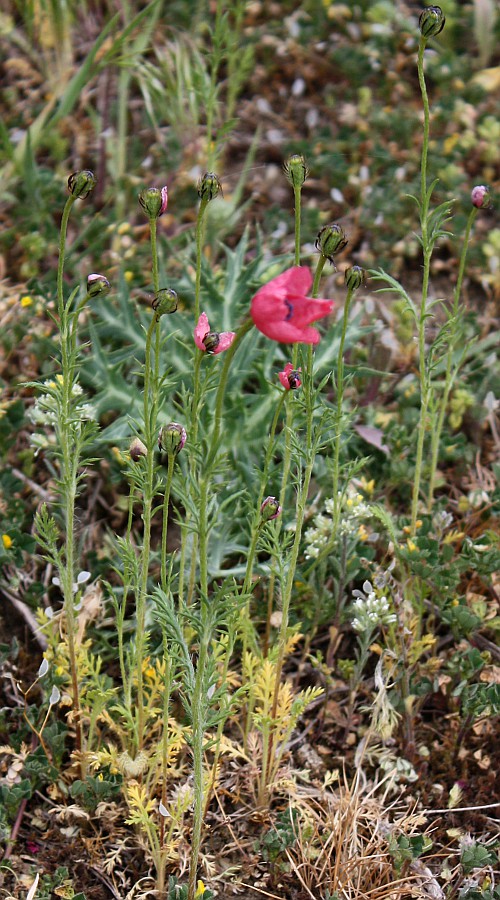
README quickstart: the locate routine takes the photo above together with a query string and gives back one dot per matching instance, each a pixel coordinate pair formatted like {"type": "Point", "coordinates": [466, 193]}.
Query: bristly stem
{"type": "Point", "coordinates": [150, 415]}
{"type": "Point", "coordinates": [427, 252]}
{"type": "Point", "coordinates": [70, 454]}
{"type": "Point", "coordinates": [338, 414]}
{"type": "Point", "coordinates": [449, 375]}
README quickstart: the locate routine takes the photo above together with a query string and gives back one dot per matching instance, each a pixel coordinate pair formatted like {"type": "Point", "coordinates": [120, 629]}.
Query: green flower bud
{"type": "Point", "coordinates": [164, 302]}
{"type": "Point", "coordinates": [154, 201]}
{"type": "Point", "coordinates": [80, 184]}
{"type": "Point", "coordinates": [354, 277]}
{"type": "Point", "coordinates": [97, 284]}
{"type": "Point", "coordinates": [172, 438]}
{"type": "Point", "coordinates": [137, 449]}
{"type": "Point", "coordinates": [331, 239]}
{"type": "Point", "coordinates": [209, 186]}
{"type": "Point", "coordinates": [431, 21]}
{"type": "Point", "coordinates": [296, 170]}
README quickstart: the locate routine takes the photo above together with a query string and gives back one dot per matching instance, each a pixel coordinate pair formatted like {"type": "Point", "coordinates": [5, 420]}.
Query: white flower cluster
{"type": "Point", "coordinates": [369, 610]}
{"type": "Point", "coordinates": [44, 411]}
{"type": "Point", "coordinates": [353, 510]}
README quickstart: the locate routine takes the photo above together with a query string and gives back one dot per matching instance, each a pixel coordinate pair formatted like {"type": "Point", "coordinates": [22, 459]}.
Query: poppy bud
{"type": "Point", "coordinates": [270, 509]}
{"type": "Point", "coordinates": [80, 184]}
{"type": "Point", "coordinates": [354, 277]}
{"type": "Point", "coordinates": [209, 186]}
{"type": "Point", "coordinates": [331, 239]}
{"type": "Point", "coordinates": [480, 196]}
{"type": "Point", "coordinates": [137, 449]}
{"type": "Point", "coordinates": [97, 284]}
{"type": "Point", "coordinates": [296, 170]}
{"type": "Point", "coordinates": [431, 21]}
{"type": "Point", "coordinates": [154, 201]}
{"type": "Point", "coordinates": [172, 438]}
{"type": "Point", "coordinates": [164, 302]}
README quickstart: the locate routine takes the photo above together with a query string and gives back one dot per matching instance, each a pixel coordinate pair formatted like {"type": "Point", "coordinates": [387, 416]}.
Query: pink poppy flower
{"type": "Point", "coordinates": [211, 341]}
{"type": "Point", "coordinates": [289, 378]}
{"type": "Point", "coordinates": [283, 312]}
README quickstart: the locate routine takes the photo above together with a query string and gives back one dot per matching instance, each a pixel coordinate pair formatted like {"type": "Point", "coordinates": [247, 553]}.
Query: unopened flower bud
{"type": "Point", "coordinates": [331, 240]}
{"type": "Point", "coordinates": [431, 21]}
{"type": "Point", "coordinates": [209, 186]}
{"type": "Point", "coordinates": [80, 184]}
{"type": "Point", "coordinates": [354, 277]}
{"type": "Point", "coordinates": [154, 201]}
{"type": "Point", "coordinates": [211, 341]}
{"type": "Point", "coordinates": [270, 509]}
{"type": "Point", "coordinates": [137, 449]}
{"type": "Point", "coordinates": [172, 438]}
{"type": "Point", "coordinates": [296, 170]}
{"type": "Point", "coordinates": [164, 302]}
{"type": "Point", "coordinates": [480, 196]}
{"type": "Point", "coordinates": [97, 284]}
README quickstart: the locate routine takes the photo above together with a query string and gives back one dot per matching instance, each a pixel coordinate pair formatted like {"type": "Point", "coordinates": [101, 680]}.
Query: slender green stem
{"type": "Point", "coordinates": [449, 376]}
{"type": "Point", "coordinates": [148, 491]}
{"type": "Point", "coordinates": [70, 454]}
{"type": "Point", "coordinates": [164, 533]}
{"type": "Point", "coordinates": [427, 252]}
{"type": "Point", "coordinates": [198, 714]}
{"type": "Point", "coordinates": [297, 191]}
{"type": "Point", "coordinates": [338, 415]}
{"type": "Point", "coordinates": [62, 254]}
{"type": "Point", "coordinates": [221, 389]}
{"type": "Point", "coordinates": [199, 251]}
{"type": "Point", "coordinates": [263, 481]}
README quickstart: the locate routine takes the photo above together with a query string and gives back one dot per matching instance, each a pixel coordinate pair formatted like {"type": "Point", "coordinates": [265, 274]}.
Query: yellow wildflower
{"type": "Point", "coordinates": [26, 301]}
{"type": "Point", "coordinates": [7, 541]}
{"type": "Point", "coordinates": [129, 276]}
{"type": "Point", "coordinates": [200, 890]}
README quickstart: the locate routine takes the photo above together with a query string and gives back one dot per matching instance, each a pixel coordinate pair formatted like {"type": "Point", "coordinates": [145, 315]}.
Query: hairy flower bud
{"type": "Point", "coordinates": [164, 302]}
{"type": "Point", "coordinates": [480, 196]}
{"type": "Point", "coordinates": [137, 449]}
{"type": "Point", "coordinates": [354, 277]}
{"type": "Point", "coordinates": [172, 438]}
{"type": "Point", "coordinates": [80, 184]}
{"type": "Point", "coordinates": [331, 239]}
{"type": "Point", "coordinates": [431, 21]}
{"type": "Point", "coordinates": [97, 284]}
{"type": "Point", "coordinates": [154, 201]}
{"type": "Point", "coordinates": [209, 186]}
{"type": "Point", "coordinates": [296, 170]}
{"type": "Point", "coordinates": [270, 509]}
